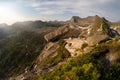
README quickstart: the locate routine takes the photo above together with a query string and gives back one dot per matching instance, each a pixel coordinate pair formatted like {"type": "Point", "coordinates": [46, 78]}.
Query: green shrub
{"type": "Point", "coordinates": [113, 73]}
{"type": "Point", "coordinates": [62, 51]}
{"type": "Point", "coordinates": [84, 45]}
{"type": "Point", "coordinates": [61, 42]}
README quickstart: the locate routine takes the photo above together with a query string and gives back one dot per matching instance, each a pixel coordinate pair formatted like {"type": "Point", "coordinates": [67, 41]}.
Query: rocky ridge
{"type": "Point", "coordinates": [92, 25]}
{"type": "Point", "coordinates": [76, 32]}
{"type": "Point", "coordinates": [91, 30]}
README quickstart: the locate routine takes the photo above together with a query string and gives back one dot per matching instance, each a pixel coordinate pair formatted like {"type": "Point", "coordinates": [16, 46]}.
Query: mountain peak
{"type": "Point", "coordinates": [75, 19]}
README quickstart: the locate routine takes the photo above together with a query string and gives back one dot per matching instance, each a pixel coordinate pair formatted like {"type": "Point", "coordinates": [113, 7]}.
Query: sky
{"type": "Point", "coordinates": [24, 10]}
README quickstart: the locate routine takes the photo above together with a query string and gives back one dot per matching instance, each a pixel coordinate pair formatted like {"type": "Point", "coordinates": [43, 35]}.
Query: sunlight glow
{"type": "Point", "coordinates": [8, 15]}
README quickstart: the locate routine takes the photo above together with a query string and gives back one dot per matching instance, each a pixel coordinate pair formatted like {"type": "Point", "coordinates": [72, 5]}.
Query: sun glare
{"type": "Point", "coordinates": [7, 15]}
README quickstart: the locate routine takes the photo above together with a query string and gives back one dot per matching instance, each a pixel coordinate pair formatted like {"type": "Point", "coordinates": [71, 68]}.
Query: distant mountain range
{"type": "Point", "coordinates": [17, 27]}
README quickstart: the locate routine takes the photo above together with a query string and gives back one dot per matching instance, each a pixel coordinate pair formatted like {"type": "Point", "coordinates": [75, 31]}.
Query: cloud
{"type": "Point", "coordinates": [71, 7]}
{"type": "Point", "coordinates": [35, 4]}
{"type": "Point", "coordinates": [65, 5]}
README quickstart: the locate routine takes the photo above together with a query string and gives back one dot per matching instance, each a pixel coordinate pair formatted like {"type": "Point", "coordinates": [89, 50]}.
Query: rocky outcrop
{"type": "Point", "coordinates": [87, 20]}
{"type": "Point", "coordinates": [115, 26]}
{"type": "Point", "coordinates": [74, 25]}
{"type": "Point", "coordinates": [75, 19]}
{"type": "Point", "coordinates": [49, 49]}
{"type": "Point", "coordinates": [84, 22]}
{"type": "Point", "coordinates": [73, 44]}
{"type": "Point", "coordinates": [52, 36]}
{"type": "Point", "coordinates": [93, 40]}
{"type": "Point", "coordinates": [92, 25]}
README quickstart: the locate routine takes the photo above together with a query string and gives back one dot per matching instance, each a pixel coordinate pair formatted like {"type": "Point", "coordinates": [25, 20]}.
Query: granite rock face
{"type": "Point", "coordinates": [84, 22]}
{"type": "Point", "coordinates": [76, 27]}
{"type": "Point", "coordinates": [56, 33]}
{"type": "Point", "coordinates": [93, 40]}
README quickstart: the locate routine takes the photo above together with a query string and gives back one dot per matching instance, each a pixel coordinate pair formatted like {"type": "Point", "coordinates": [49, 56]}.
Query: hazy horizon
{"type": "Point", "coordinates": [12, 11]}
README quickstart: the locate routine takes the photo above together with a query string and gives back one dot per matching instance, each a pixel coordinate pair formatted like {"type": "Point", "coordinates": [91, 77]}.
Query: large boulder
{"type": "Point", "coordinates": [56, 33]}
{"type": "Point", "coordinates": [93, 40]}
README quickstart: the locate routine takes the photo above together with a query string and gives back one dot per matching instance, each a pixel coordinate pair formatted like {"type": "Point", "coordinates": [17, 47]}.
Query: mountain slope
{"type": "Point", "coordinates": [77, 49]}
{"type": "Point", "coordinates": [20, 48]}
{"type": "Point", "coordinates": [88, 60]}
